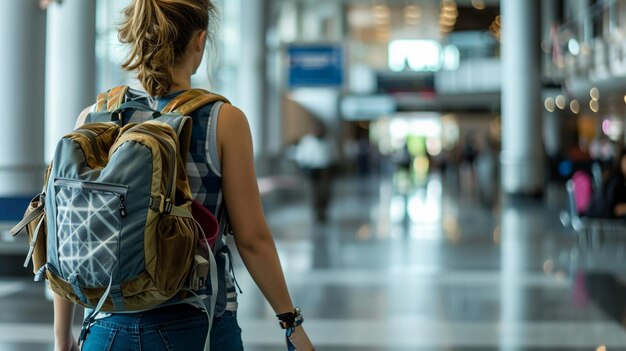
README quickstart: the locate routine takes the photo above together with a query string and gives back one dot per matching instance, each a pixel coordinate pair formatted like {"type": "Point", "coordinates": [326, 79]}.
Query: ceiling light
{"type": "Point", "coordinates": [448, 4]}
{"type": "Point", "coordinates": [549, 104]}
{"type": "Point", "coordinates": [560, 102]}
{"type": "Point", "coordinates": [447, 21]}
{"type": "Point", "coordinates": [450, 12]}
{"type": "Point", "coordinates": [412, 11]}
{"type": "Point", "coordinates": [594, 105]}
{"type": "Point", "coordinates": [478, 4]}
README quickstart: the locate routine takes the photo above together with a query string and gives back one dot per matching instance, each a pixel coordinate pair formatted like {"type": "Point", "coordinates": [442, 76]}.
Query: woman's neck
{"type": "Point", "coordinates": [180, 85]}
{"type": "Point", "coordinates": [181, 79]}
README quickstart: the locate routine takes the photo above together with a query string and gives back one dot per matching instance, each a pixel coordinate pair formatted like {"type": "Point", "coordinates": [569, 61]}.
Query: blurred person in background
{"type": "Point", "coordinates": [315, 155]}
{"type": "Point", "coordinates": [467, 172]}
{"type": "Point", "coordinates": [615, 191]}
{"type": "Point", "coordinates": [609, 200]}
{"type": "Point", "coordinates": [486, 163]}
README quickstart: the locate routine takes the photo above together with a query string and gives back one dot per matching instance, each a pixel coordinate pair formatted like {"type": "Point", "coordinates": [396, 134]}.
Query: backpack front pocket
{"type": "Point", "coordinates": [89, 222]}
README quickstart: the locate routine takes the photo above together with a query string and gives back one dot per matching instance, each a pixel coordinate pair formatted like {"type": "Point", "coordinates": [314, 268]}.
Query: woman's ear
{"type": "Point", "coordinates": [200, 40]}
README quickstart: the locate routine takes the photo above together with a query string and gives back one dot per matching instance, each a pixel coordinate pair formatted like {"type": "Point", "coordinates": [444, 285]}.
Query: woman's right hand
{"type": "Point", "coordinates": [300, 340]}
{"type": "Point", "coordinates": [69, 344]}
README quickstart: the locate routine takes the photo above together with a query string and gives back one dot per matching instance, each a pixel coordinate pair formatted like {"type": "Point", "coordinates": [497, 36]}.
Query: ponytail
{"type": "Point", "coordinates": [158, 32]}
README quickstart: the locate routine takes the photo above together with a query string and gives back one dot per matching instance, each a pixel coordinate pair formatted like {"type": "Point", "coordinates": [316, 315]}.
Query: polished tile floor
{"type": "Point", "coordinates": [411, 268]}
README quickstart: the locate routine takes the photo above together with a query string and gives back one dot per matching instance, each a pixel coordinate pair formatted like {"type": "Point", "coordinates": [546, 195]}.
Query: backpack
{"type": "Point", "coordinates": [113, 229]}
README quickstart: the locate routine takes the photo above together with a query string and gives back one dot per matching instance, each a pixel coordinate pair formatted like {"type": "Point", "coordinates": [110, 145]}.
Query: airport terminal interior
{"type": "Point", "coordinates": [437, 174]}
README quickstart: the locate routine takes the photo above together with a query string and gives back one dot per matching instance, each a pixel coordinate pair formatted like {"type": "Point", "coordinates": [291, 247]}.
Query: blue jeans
{"type": "Point", "coordinates": [172, 328]}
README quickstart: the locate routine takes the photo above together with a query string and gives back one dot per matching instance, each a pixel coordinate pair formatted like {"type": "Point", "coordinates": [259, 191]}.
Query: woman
{"type": "Point", "coordinates": [167, 39]}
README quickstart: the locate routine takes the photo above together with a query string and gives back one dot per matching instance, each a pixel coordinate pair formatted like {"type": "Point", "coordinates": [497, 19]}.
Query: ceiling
{"type": "Point", "coordinates": [394, 2]}
{"type": "Point", "coordinates": [393, 19]}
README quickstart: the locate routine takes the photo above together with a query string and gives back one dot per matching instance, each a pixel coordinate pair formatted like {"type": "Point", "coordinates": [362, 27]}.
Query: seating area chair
{"type": "Point", "coordinates": [592, 233]}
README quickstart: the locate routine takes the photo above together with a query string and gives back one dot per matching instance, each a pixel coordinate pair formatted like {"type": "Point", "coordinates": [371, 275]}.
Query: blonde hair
{"type": "Point", "coordinates": [158, 32]}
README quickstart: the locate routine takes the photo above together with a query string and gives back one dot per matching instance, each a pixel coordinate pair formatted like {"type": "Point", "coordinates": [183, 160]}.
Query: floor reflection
{"type": "Point", "coordinates": [604, 289]}
{"type": "Point", "coordinates": [414, 267]}
{"type": "Point", "coordinates": [443, 268]}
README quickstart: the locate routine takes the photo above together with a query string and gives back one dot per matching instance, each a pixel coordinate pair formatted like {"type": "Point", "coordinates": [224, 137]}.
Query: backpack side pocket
{"type": "Point", "coordinates": [34, 222]}
{"type": "Point", "coordinates": [177, 240]}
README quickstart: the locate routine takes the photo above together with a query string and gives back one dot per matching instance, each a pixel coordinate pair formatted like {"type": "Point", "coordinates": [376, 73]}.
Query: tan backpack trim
{"type": "Point", "coordinates": [198, 102]}
{"type": "Point", "coordinates": [184, 138]}
{"type": "Point", "coordinates": [111, 99]}
{"type": "Point", "coordinates": [182, 99]}
{"type": "Point", "coordinates": [191, 100]}
{"type": "Point", "coordinates": [185, 104]}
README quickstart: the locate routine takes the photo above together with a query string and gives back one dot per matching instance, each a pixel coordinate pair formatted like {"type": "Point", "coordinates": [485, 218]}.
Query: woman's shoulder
{"type": "Point", "coordinates": [231, 111]}
{"type": "Point", "coordinates": [233, 124]}
{"type": "Point", "coordinates": [232, 117]}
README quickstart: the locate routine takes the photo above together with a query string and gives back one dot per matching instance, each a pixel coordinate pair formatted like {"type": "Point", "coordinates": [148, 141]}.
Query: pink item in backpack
{"type": "Point", "coordinates": [583, 190]}
{"type": "Point", "coordinates": [207, 222]}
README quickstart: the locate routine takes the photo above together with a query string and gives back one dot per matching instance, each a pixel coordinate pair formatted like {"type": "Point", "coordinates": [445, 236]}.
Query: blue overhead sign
{"type": "Point", "coordinates": [316, 65]}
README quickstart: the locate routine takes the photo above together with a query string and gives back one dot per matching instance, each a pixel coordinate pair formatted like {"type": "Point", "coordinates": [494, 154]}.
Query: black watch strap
{"type": "Point", "coordinates": [290, 319]}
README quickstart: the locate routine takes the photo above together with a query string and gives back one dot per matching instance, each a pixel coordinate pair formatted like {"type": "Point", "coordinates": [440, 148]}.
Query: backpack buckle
{"type": "Point", "coordinates": [161, 204]}
{"type": "Point", "coordinates": [167, 208]}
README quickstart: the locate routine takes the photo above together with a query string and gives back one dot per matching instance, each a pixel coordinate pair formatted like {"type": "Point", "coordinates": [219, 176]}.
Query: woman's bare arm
{"type": "Point", "coordinates": [252, 236]}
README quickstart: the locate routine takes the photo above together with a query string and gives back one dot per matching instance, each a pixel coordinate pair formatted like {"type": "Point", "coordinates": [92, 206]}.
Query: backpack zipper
{"type": "Point", "coordinates": [115, 189]}
{"type": "Point", "coordinates": [122, 205]}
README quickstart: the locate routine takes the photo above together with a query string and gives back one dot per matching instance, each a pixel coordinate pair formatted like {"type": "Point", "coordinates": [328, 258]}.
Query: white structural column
{"type": "Point", "coordinates": [522, 152]}
{"type": "Point", "coordinates": [70, 66]}
{"type": "Point", "coordinates": [252, 69]}
{"type": "Point", "coordinates": [552, 124]}
{"type": "Point", "coordinates": [22, 39]}
{"type": "Point", "coordinates": [549, 9]}
{"type": "Point", "coordinates": [519, 226]}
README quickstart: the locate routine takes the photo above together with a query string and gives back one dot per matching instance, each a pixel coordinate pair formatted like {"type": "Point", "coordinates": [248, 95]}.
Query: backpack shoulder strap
{"type": "Point", "coordinates": [184, 104]}
{"type": "Point", "coordinates": [111, 99]}
{"type": "Point", "coordinates": [191, 100]}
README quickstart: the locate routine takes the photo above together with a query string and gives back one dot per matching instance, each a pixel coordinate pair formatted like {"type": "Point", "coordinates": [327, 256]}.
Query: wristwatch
{"type": "Point", "coordinates": [290, 319]}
